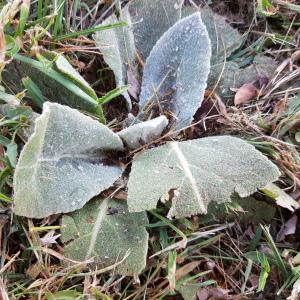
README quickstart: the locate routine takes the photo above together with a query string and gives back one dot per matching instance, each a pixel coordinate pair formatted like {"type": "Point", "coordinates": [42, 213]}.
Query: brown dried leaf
{"type": "Point", "coordinates": [287, 229]}
{"type": "Point", "coordinates": [245, 93]}
{"type": "Point", "coordinates": [186, 269]}
{"type": "Point", "coordinates": [212, 293]}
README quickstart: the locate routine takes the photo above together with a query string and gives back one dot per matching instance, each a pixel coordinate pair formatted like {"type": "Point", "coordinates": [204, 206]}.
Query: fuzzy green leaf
{"type": "Point", "coordinates": [142, 133]}
{"type": "Point", "coordinates": [224, 38]}
{"type": "Point", "coordinates": [105, 231]}
{"type": "Point", "coordinates": [54, 86]}
{"type": "Point", "coordinates": [200, 171]}
{"type": "Point", "coordinates": [118, 49]}
{"type": "Point", "coordinates": [151, 19]}
{"type": "Point", "coordinates": [60, 168]}
{"type": "Point", "coordinates": [177, 69]}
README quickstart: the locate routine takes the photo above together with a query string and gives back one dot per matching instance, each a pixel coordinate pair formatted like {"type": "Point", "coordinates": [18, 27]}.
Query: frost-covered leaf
{"type": "Point", "coordinates": [189, 290]}
{"type": "Point", "coordinates": [18, 113]}
{"type": "Point", "coordinates": [222, 78]}
{"type": "Point", "coordinates": [144, 132]}
{"type": "Point", "coordinates": [176, 71]}
{"type": "Point", "coordinates": [199, 171]}
{"type": "Point", "coordinates": [63, 65]}
{"type": "Point", "coordinates": [281, 197]}
{"type": "Point", "coordinates": [8, 99]}
{"type": "Point", "coordinates": [224, 38]}
{"type": "Point", "coordinates": [105, 230]}
{"type": "Point", "coordinates": [224, 41]}
{"type": "Point", "coordinates": [60, 168]}
{"type": "Point", "coordinates": [243, 209]}
{"type": "Point", "coordinates": [118, 49]}
{"type": "Point", "coordinates": [262, 67]}
{"type": "Point", "coordinates": [54, 86]}
{"type": "Point", "coordinates": [151, 19]}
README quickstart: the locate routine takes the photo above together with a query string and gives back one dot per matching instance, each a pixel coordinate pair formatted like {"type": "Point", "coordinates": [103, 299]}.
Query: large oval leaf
{"type": "Point", "coordinates": [151, 19]}
{"type": "Point", "coordinates": [60, 168]}
{"type": "Point", "coordinates": [200, 171]}
{"type": "Point", "coordinates": [105, 231]}
{"type": "Point", "coordinates": [176, 71]}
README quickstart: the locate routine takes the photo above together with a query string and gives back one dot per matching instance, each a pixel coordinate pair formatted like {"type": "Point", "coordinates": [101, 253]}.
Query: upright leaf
{"type": "Point", "coordinates": [176, 71]}
{"type": "Point", "coordinates": [224, 38]}
{"type": "Point", "coordinates": [224, 41]}
{"type": "Point", "coordinates": [118, 50]}
{"type": "Point", "coordinates": [66, 68]}
{"type": "Point", "coordinates": [151, 19]}
{"type": "Point", "coordinates": [105, 231]}
{"type": "Point", "coordinates": [200, 171]}
{"type": "Point", "coordinates": [60, 168]}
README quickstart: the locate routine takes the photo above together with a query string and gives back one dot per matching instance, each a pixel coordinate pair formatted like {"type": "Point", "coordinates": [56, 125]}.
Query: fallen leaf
{"type": "Point", "coordinates": [186, 269]}
{"type": "Point", "coordinates": [133, 82]}
{"type": "Point", "coordinates": [295, 56]}
{"type": "Point", "coordinates": [245, 93]}
{"type": "Point", "coordinates": [287, 229]}
{"type": "Point", "coordinates": [212, 292]}
{"type": "Point", "coordinates": [280, 196]}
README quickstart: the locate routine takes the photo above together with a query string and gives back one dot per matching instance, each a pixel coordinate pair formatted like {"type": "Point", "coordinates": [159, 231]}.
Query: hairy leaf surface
{"type": "Point", "coordinates": [224, 38]}
{"type": "Point", "coordinates": [199, 171]}
{"type": "Point", "coordinates": [118, 49]}
{"type": "Point", "coordinates": [151, 19]}
{"type": "Point", "coordinates": [54, 86]}
{"type": "Point", "coordinates": [142, 133]}
{"type": "Point", "coordinates": [60, 168]}
{"type": "Point", "coordinates": [176, 71]}
{"type": "Point", "coordinates": [105, 230]}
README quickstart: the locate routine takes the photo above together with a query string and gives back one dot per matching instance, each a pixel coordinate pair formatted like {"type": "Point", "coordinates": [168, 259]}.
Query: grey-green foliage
{"type": "Point", "coordinates": [60, 168]}
{"type": "Point", "coordinates": [189, 290]}
{"type": "Point", "coordinates": [144, 132]}
{"type": "Point", "coordinates": [224, 38]}
{"type": "Point", "coordinates": [55, 86]}
{"type": "Point", "coordinates": [200, 171]}
{"type": "Point", "coordinates": [151, 19]}
{"type": "Point", "coordinates": [118, 49]}
{"type": "Point", "coordinates": [176, 70]}
{"type": "Point", "coordinates": [104, 230]}
{"type": "Point", "coordinates": [17, 112]}
{"type": "Point", "coordinates": [243, 209]}
{"type": "Point", "coordinates": [224, 41]}
{"type": "Point", "coordinates": [262, 66]}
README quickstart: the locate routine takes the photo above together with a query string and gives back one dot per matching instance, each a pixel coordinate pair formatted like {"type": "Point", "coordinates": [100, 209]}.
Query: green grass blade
{"type": "Point", "coordinates": [90, 30]}
{"type": "Point", "coordinates": [112, 94]}
{"type": "Point", "coordinates": [34, 91]}
{"type": "Point", "coordinates": [278, 259]}
{"type": "Point", "coordinates": [24, 14]}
